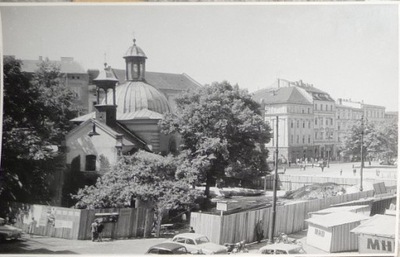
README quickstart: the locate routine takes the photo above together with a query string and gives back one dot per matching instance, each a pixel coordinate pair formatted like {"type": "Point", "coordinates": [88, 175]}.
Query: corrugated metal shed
{"type": "Point", "coordinates": [331, 232]}
{"type": "Point", "coordinates": [377, 235]}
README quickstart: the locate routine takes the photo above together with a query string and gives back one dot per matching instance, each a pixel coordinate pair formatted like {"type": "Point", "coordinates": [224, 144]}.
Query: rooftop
{"type": "Point", "coordinates": [287, 95]}
{"type": "Point", "coordinates": [378, 225]}
{"type": "Point", "coordinates": [336, 219]}
{"type": "Point", "coordinates": [67, 65]}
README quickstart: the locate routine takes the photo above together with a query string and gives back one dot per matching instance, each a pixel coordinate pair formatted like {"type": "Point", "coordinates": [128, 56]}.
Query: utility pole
{"type": "Point", "coordinates": [362, 152]}
{"type": "Point", "coordinates": [273, 218]}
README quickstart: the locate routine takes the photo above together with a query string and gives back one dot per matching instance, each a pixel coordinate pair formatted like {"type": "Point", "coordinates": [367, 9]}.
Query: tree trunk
{"type": "Point", "coordinates": [158, 223]}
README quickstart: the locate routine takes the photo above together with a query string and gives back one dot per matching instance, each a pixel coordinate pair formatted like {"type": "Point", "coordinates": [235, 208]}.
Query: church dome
{"type": "Point", "coordinates": [133, 96]}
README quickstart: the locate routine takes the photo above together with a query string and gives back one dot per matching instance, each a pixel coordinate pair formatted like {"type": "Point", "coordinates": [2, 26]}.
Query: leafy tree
{"type": "Point", "coordinates": [380, 140]}
{"type": "Point", "coordinates": [223, 131]}
{"type": "Point", "coordinates": [165, 182]}
{"type": "Point", "coordinates": [35, 120]}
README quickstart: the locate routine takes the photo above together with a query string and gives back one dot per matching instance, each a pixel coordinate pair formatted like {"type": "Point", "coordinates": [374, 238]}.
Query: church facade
{"type": "Point", "coordinates": [125, 120]}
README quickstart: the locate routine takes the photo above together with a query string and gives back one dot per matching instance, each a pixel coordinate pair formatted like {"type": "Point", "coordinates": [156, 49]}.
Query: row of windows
{"type": "Point", "coordinates": [320, 135]}
{"type": "Point", "coordinates": [375, 114]}
{"type": "Point", "coordinates": [298, 139]}
{"type": "Point", "coordinates": [328, 107]}
{"type": "Point", "coordinates": [328, 121]}
{"type": "Point", "coordinates": [298, 122]}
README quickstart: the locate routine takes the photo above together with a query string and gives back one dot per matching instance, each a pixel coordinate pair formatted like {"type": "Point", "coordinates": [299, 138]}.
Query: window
{"type": "Point", "coordinates": [316, 135]}
{"type": "Point", "coordinates": [331, 121]}
{"type": "Point", "coordinates": [326, 122]}
{"type": "Point", "coordinates": [304, 124]}
{"type": "Point", "coordinates": [190, 242]}
{"type": "Point", "coordinates": [322, 107]}
{"type": "Point", "coordinates": [297, 139]}
{"type": "Point", "coordinates": [316, 121]}
{"type": "Point", "coordinates": [90, 162]}
{"type": "Point", "coordinates": [291, 139]}
{"type": "Point", "coordinates": [308, 110]}
{"type": "Point", "coordinates": [326, 107]}
{"type": "Point", "coordinates": [297, 124]}
{"type": "Point", "coordinates": [291, 124]}
{"type": "Point", "coordinates": [309, 139]}
{"type": "Point", "coordinates": [316, 107]}
{"type": "Point", "coordinates": [304, 139]}
{"type": "Point", "coordinates": [302, 110]}
{"type": "Point", "coordinates": [309, 124]}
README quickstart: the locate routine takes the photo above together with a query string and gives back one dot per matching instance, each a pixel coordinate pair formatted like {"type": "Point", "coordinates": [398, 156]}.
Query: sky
{"type": "Point", "coordinates": [348, 50]}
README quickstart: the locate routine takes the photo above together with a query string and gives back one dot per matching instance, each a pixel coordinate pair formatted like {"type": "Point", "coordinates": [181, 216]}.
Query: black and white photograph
{"type": "Point", "coordinates": [199, 128]}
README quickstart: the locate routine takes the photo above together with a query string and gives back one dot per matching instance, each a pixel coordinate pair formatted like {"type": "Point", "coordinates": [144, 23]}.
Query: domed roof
{"type": "Point", "coordinates": [133, 96]}
{"type": "Point", "coordinates": [134, 51]}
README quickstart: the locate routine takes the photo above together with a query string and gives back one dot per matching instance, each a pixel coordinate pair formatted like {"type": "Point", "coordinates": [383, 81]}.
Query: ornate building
{"type": "Point", "coordinates": [126, 120]}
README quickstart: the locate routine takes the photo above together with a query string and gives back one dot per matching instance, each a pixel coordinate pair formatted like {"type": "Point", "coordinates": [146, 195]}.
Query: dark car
{"type": "Point", "coordinates": [167, 248]}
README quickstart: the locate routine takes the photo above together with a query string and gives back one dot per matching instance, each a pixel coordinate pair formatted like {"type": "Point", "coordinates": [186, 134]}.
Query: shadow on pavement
{"type": "Point", "coordinates": [18, 247]}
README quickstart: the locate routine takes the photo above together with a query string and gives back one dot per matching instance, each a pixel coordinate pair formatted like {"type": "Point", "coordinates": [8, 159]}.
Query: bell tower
{"type": "Point", "coordinates": [106, 81]}
{"type": "Point", "coordinates": [135, 60]}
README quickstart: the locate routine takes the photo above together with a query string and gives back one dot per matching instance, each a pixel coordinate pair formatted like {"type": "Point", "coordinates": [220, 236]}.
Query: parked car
{"type": "Point", "coordinates": [281, 248]}
{"type": "Point", "coordinates": [8, 232]}
{"type": "Point", "coordinates": [198, 242]}
{"type": "Point", "coordinates": [167, 248]}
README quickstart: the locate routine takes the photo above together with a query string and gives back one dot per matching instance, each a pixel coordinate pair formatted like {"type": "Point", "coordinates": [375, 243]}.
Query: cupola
{"type": "Point", "coordinates": [106, 81]}
{"type": "Point", "coordinates": [135, 60]}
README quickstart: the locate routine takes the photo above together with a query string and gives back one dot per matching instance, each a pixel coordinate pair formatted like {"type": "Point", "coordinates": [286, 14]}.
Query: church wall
{"type": "Point", "coordinates": [80, 144]}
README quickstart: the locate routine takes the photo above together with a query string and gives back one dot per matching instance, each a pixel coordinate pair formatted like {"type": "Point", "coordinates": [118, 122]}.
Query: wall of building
{"type": "Point", "coordinates": [319, 237]}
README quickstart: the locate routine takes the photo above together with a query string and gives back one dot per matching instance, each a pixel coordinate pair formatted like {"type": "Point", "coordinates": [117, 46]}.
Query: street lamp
{"type": "Point", "coordinates": [273, 218]}
{"type": "Point", "coordinates": [362, 152]}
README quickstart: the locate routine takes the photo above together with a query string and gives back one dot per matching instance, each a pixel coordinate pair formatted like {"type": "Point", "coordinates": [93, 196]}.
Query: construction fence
{"type": "Point", "coordinates": [290, 218]}
{"type": "Point", "coordinates": [76, 223]}
{"type": "Point", "coordinates": [292, 182]}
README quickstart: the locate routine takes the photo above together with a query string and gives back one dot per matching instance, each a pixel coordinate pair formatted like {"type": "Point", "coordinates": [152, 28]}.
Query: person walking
{"type": "Point", "coordinates": [100, 227]}
{"type": "Point", "coordinates": [31, 228]}
{"type": "Point", "coordinates": [259, 231]}
{"type": "Point", "coordinates": [94, 230]}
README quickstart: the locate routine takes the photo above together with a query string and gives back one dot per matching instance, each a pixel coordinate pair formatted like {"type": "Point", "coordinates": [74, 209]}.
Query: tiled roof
{"type": "Point", "coordinates": [142, 114]}
{"type": "Point", "coordinates": [288, 95]}
{"type": "Point", "coordinates": [159, 80]}
{"type": "Point", "coordinates": [67, 65]}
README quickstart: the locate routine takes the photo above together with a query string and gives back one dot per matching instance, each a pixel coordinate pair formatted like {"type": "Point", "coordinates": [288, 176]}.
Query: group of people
{"type": "Point", "coordinates": [97, 228]}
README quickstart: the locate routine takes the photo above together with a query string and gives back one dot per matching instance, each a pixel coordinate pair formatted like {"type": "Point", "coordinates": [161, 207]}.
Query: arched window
{"type": "Point", "coordinates": [90, 162]}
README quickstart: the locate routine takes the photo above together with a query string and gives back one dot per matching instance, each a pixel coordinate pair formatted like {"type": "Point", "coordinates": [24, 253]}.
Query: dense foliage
{"type": "Point", "coordinates": [163, 182]}
{"type": "Point", "coordinates": [380, 140]}
{"type": "Point", "coordinates": [223, 131]}
{"type": "Point", "coordinates": [36, 114]}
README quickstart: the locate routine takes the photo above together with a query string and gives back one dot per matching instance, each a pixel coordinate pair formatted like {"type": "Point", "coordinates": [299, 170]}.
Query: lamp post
{"type": "Point", "coordinates": [273, 217]}
{"type": "Point", "coordinates": [362, 152]}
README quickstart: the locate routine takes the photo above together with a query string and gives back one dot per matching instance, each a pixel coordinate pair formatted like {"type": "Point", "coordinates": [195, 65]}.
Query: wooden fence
{"type": "Point", "coordinates": [76, 224]}
{"type": "Point", "coordinates": [291, 182]}
{"type": "Point", "coordinates": [290, 218]}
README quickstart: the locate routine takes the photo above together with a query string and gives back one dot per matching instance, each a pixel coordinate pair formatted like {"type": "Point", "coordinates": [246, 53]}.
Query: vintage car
{"type": "Point", "coordinates": [198, 242]}
{"type": "Point", "coordinates": [282, 248]}
{"type": "Point", "coordinates": [167, 248]}
{"type": "Point", "coordinates": [8, 232]}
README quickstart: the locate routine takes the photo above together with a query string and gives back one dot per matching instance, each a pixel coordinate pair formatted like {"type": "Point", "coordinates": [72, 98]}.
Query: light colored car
{"type": "Point", "coordinates": [282, 248]}
{"type": "Point", "coordinates": [198, 243]}
{"type": "Point", "coordinates": [167, 248]}
{"type": "Point", "coordinates": [8, 232]}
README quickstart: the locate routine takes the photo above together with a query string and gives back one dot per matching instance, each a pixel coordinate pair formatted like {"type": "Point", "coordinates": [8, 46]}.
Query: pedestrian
{"type": "Point", "coordinates": [354, 172]}
{"type": "Point", "coordinates": [191, 230]}
{"type": "Point", "coordinates": [259, 231]}
{"type": "Point", "coordinates": [100, 228]}
{"type": "Point", "coordinates": [94, 230]}
{"type": "Point", "coordinates": [31, 228]}
{"type": "Point", "coordinates": [341, 171]}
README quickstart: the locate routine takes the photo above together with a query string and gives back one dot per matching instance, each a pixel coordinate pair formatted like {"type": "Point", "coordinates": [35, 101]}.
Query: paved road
{"type": "Point", "coordinates": [48, 245]}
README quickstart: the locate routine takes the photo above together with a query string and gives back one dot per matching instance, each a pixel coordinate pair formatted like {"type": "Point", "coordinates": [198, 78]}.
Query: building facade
{"type": "Point", "coordinates": [292, 108]}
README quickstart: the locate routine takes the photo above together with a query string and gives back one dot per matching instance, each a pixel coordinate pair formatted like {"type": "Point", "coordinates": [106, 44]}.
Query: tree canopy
{"type": "Point", "coordinates": [223, 131]}
{"type": "Point", "coordinates": [380, 140]}
{"type": "Point", "coordinates": [37, 110]}
{"type": "Point", "coordinates": [164, 182]}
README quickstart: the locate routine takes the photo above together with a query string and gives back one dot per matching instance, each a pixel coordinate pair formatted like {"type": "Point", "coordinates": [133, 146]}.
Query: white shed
{"type": "Point", "coordinates": [377, 235]}
{"type": "Point", "coordinates": [331, 232]}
